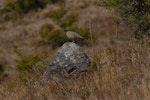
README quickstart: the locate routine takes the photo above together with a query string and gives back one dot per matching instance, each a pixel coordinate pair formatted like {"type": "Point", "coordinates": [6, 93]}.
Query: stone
{"type": "Point", "coordinates": [69, 59]}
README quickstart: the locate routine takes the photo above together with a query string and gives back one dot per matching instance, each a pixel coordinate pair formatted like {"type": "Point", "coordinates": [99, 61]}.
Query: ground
{"type": "Point", "coordinates": [120, 64]}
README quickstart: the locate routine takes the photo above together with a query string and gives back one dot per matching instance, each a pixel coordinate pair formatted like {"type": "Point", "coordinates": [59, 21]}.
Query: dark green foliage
{"type": "Point", "coordinates": [2, 74]}
{"type": "Point", "coordinates": [57, 37]}
{"type": "Point", "coordinates": [56, 14]}
{"type": "Point", "coordinates": [28, 62]}
{"type": "Point", "coordinates": [23, 6]}
{"type": "Point", "coordinates": [11, 10]}
{"type": "Point", "coordinates": [29, 65]}
{"type": "Point", "coordinates": [135, 13]}
{"type": "Point", "coordinates": [69, 20]}
{"type": "Point", "coordinates": [52, 36]}
{"type": "Point", "coordinates": [15, 9]}
{"type": "Point", "coordinates": [45, 32]}
{"type": "Point", "coordinates": [1, 69]}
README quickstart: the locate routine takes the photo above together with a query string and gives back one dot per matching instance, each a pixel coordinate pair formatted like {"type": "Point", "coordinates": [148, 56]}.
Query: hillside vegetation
{"type": "Point", "coordinates": [31, 31]}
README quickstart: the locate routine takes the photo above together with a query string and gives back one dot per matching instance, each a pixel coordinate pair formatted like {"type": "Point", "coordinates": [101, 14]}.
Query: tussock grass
{"type": "Point", "coordinates": [116, 73]}
{"type": "Point", "coordinates": [119, 65]}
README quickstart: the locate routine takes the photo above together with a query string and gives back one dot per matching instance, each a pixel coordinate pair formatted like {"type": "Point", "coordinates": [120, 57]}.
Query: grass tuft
{"type": "Point", "coordinates": [57, 14]}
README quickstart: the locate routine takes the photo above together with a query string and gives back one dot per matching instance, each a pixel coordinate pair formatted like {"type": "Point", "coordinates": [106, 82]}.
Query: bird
{"type": "Point", "coordinates": [74, 36]}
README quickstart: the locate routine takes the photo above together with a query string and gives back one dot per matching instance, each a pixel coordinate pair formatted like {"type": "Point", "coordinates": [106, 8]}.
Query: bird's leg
{"type": "Point", "coordinates": [73, 41]}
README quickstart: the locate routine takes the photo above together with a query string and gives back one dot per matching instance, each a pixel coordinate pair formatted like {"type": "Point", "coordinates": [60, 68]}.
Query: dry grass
{"type": "Point", "coordinates": [120, 73]}
{"type": "Point", "coordinates": [120, 65]}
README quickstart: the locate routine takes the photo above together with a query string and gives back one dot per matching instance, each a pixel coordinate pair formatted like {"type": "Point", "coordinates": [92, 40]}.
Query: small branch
{"type": "Point", "coordinates": [91, 35]}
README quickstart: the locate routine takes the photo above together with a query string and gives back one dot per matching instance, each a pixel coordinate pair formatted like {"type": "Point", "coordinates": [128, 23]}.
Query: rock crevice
{"type": "Point", "coordinates": [69, 59]}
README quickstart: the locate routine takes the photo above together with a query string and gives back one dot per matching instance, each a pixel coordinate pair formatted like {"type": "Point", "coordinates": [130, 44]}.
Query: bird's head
{"type": "Point", "coordinates": [66, 29]}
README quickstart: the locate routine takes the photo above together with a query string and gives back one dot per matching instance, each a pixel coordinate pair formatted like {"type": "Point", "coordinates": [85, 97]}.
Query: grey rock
{"type": "Point", "coordinates": [69, 59]}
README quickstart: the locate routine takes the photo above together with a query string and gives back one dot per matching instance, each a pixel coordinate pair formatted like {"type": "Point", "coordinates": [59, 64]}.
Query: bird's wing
{"type": "Point", "coordinates": [77, 35]}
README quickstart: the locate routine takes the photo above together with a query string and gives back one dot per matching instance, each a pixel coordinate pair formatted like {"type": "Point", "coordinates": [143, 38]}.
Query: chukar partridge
{"type": "Point", "coordinates": [73, 36]}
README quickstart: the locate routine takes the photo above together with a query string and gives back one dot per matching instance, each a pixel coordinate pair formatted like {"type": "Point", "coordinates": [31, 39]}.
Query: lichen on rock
{"type": "Point", "coordinates": [69, 59]}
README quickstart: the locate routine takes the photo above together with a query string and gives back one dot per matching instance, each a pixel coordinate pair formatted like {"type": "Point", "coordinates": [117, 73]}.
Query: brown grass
{"type": "Point", "coordinates": [120, 73]}
{"type": "Point", "coordinates": [120, 65]}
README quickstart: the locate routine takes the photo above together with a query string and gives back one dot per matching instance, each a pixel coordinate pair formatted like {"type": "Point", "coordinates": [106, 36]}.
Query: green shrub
{"type": "Point", "coordinates": [16, 9]}
{"type": "Point", "coordinates": [9, 6]}
{"type": "Point", "coordinates": [12, 16]}
{"type": "Point", "coordinates": [135, 13]}
{"type": "Point", "coordinates": [52, 36]}
{"type": "Point", "coordinates": [1, 69]}
{"type": "Point", "coordinates": [57, 38]}
{"type": "Point", "coordinates": [56, 14]}
{"type": "Point", "coordinates": [83, 4]}
{"type": "Point", "coordinates": [70, 19]}
{"type": "Point", "coordinates": [23, 6]}
{"type": "Point", "coordinates": [11, 10]}
{"type": "Point", "coordinates": [45, 32]}
{"type": "Point", "coordinates": [29, 66]}
{"type": "Point", "coordinates": [2, 74]}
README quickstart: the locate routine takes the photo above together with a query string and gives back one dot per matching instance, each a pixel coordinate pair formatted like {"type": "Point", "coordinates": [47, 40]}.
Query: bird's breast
{"type": "Point", "coordinates": [69, 35]}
